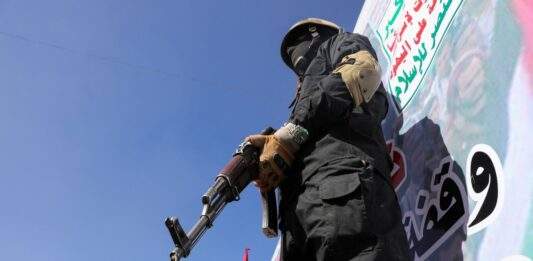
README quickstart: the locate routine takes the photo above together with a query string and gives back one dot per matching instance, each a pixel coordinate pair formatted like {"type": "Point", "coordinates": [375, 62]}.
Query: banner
{"type": "Point", "coordinates": [460, 76]}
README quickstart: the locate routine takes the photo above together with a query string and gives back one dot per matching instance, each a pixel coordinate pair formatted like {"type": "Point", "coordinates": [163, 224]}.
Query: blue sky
{"type": "Point", "coordinates": [116, 114]}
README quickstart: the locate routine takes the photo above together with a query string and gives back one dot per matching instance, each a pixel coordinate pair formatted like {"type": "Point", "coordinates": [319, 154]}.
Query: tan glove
{"type": "Point", "coordinates": [361, 74]}
{"type": "Point", "coordinates": [275, 158]}
{"type": "Point", "coordinates": [277, 154]}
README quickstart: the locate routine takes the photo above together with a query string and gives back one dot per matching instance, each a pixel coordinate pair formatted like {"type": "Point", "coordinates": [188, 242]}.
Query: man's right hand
{"type": "Point", "coordinates": [276, 157]}
{"type": "Point", "coordinates": [277, 153]}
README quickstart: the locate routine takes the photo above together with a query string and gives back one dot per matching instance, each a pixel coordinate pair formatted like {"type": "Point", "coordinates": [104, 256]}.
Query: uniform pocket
{"type": "Point", "coordinates": [344, 212]}
{"type": "Point", "coordinates": [380, 202]}
{"type": "Point", "coordinates": [338, 186]}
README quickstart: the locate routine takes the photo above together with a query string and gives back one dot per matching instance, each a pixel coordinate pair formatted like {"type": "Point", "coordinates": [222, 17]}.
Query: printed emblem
{"type": "Point", "coordinates": [410, 34]}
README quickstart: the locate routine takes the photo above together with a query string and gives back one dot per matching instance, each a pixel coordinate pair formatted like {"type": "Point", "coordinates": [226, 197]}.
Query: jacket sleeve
{"type": "Point", "coordinates": [324, 99]}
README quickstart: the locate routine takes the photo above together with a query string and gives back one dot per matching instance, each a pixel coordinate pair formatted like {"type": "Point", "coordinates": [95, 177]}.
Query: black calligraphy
{"type": "Point", "coordinates": [485, 186]}
{"type": "Point", "coordinates": [442, 211]}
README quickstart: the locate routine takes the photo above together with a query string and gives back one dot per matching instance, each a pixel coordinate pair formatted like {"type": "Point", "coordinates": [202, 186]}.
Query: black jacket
{"type": "Point", "coordinates": [325, 108]}
{"type": "Point", "coordinates": [334, 206]}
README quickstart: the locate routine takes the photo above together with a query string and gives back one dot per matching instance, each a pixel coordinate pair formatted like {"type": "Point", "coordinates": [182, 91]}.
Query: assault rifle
{"type": "Point", "coordinates": [229, 183]}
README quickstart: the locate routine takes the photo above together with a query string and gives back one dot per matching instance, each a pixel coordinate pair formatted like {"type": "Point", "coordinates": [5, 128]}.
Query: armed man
{"type": "Point", "coordinates": [330, 159]}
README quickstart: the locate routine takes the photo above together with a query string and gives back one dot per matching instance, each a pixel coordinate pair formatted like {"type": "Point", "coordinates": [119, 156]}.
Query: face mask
{"type": "Point", "coordinates": [301, 55]}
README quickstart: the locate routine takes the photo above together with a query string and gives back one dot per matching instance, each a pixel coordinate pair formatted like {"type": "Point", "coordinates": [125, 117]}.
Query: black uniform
{"type": "Point", "coordinates": [338, 203]}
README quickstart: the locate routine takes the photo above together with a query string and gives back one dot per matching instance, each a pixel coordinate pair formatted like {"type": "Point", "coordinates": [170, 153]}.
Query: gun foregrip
{"type": "Point", "coordinates": [269, 225]}
{"type": "Point", "coordinates": [269, 205]}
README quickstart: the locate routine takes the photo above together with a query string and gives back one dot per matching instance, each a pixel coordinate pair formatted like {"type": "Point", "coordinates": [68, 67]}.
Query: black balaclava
{"type": "Point", "coordinates": [303, 52]}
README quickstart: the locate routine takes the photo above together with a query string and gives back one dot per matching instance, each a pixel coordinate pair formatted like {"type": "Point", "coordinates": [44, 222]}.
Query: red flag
{"type": "Point", "coordinates": [245, 255]}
